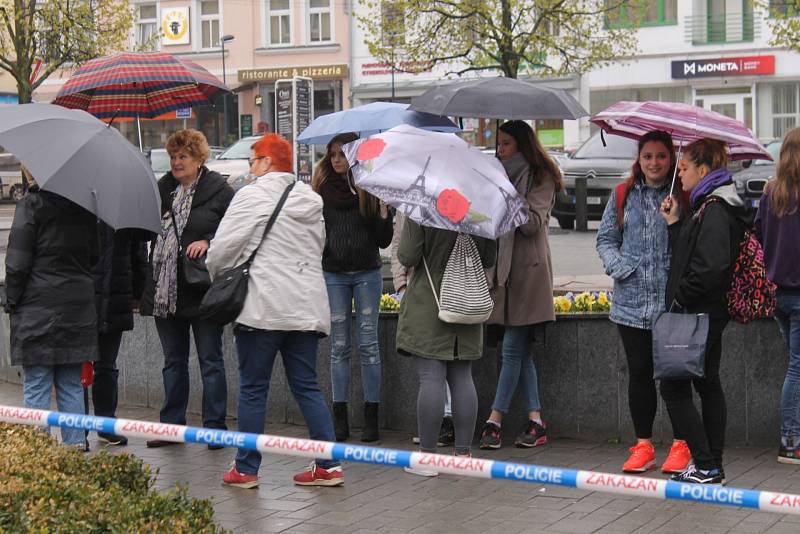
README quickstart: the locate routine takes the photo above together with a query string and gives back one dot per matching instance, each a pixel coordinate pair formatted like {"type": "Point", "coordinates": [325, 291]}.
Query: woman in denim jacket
{"type": "Point", "coordinates": [634, 246]}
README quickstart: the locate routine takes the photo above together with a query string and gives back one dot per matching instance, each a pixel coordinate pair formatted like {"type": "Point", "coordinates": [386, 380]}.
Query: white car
{"type": "Point", "coordinates": [232, 164]}
{"type": "Point", "coordinates": [10, 177]}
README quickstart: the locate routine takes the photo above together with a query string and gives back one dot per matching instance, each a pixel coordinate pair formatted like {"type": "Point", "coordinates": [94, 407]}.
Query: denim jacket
{"type": "Point", "coordinates": [638, 257]}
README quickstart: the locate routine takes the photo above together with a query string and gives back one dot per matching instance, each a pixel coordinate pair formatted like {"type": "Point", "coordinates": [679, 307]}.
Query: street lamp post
{"type": "Point", "coordinates": [223, 40]}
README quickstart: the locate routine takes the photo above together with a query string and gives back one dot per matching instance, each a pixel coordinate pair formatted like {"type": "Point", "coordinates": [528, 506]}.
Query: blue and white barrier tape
{"type": "Point", "coordinates": [784, 503]}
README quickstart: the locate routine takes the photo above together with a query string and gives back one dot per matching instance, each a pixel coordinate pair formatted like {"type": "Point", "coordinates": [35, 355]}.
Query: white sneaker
{"type": "Point", "coordinates": [421, 472]}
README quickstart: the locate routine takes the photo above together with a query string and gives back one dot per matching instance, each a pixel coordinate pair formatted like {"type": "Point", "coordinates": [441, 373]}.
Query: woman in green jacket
{"type": "Point", "coordinates": [441, 350]}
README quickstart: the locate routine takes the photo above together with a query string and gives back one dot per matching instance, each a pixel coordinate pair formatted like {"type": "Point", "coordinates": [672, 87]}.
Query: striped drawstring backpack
{"type": "Point", "coordinates": [464, 296]}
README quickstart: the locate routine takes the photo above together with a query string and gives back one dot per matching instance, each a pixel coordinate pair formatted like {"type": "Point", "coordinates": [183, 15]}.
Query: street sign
{"type": "Point", "coordinates": [183, 113]}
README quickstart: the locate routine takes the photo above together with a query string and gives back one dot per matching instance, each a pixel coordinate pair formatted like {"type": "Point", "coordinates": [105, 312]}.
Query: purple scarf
{"type": "Point", "coordinates": [710, 182]}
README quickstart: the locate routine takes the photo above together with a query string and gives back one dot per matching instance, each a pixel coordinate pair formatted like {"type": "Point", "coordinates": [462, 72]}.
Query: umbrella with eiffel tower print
{"type": "Point", "coordinates": [438, 180]}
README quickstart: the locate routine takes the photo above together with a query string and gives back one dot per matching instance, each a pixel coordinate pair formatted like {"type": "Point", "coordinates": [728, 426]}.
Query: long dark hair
{"type": "Point", "coordinates": [636, 170]}
{"type": "Point", "coordinates": [367, 204]}
{"type": "Point", "coordinates": [538, 159]}
{"type": "Point", "coordinates": [785, 187]}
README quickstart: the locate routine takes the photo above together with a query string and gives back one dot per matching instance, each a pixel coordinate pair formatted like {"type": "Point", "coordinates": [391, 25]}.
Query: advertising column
{"type": "Point", "coordinates": [294, 111]}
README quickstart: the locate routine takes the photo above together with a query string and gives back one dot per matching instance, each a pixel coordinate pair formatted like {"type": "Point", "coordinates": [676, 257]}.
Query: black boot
{"type": "Point", "coordinates": [340, 426]}
{"type": "Point", "coordinates": [370, 432]}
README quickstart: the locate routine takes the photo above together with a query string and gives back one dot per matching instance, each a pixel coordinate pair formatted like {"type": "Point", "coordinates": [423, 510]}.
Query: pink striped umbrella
{"type": "Point", "coordinates": [686, 123]}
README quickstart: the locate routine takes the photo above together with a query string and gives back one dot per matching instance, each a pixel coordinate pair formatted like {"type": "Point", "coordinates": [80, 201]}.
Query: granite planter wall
{"type": "Point", "coordinates": [582, 376]}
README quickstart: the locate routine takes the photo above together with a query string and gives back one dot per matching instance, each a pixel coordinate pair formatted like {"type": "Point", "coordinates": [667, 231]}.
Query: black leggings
{"type": "Point", "coordinates": [642, 396]}
{"type": "Point", "coordinates": [431, 399]}
{"type": "Point", "coordinates": [705, 435]}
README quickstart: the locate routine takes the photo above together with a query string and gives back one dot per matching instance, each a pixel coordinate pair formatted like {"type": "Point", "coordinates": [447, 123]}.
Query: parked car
{"type": "Point", "coordinates": [232, 163]}
{"type": "Point", "coordinates": [751, 180]}
{"type": "Point", "coordinates": [10, 177]}
{"type": "Point", "coordinates": [159, 159]}
{"type": "Point", "coordinates": [604, 166]}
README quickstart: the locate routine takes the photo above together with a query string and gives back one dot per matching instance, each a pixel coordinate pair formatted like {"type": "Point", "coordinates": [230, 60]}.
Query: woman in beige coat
{"type": "Point", "coordinates": [522, 281]}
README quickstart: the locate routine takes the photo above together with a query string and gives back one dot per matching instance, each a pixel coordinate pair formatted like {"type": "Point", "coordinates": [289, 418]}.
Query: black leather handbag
{"type": "Point", "coordinates": [224, 300]}
{"type": "Point", "coordinates": [195, 272]}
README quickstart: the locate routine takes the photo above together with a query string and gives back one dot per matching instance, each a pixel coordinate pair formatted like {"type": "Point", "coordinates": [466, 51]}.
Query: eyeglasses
{"type": "Point", "coordinates": [253, 160]}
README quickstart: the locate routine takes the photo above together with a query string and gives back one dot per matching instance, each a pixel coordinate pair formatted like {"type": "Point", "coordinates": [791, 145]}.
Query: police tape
{"type": "Point", "coordinates": [474, 467]}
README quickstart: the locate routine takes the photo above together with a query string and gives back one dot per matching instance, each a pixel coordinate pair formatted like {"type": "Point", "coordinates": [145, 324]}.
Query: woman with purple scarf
{"type": "Point", "coordinates": [704, 244]}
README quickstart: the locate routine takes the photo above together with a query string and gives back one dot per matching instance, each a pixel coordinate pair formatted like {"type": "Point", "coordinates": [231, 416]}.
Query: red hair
{"type": "Point", "coordinates": [277, 148]}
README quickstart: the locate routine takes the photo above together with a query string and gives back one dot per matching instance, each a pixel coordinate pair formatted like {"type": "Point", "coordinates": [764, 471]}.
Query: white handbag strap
{"type": "Point", "coordinates": [435, 296]}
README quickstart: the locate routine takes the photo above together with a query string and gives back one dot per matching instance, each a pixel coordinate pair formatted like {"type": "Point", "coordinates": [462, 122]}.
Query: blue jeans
{"type": "Point", "coordinates": [365, 288]}
{"type": "Point", "coordinates": [788, 316]}
{"type": "Point", "coordinates": [517, 369]}
{"type": "Point", "coordinates": [39, 381]}
{"type": "Point", "coordinates": [174, 335]}
{"type": "Point", "coordinates": [257, 350]}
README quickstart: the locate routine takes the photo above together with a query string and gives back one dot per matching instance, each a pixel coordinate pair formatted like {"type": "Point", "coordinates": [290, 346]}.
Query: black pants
{"type": "Point", "coordinates": [705, 435]}
{"type": "Point", "coordinates": [642, 395]}
{"type": "Point", "coordinates": [104, 389]}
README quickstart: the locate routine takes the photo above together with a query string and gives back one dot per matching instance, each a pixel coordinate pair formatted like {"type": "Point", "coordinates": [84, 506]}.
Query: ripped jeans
{"type": "Point", "coordinates": [365, 288]}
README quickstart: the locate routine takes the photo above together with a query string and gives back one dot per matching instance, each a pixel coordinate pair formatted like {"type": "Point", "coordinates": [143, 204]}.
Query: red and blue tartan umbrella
{"type": "Point", "coordinates": [138, 84]}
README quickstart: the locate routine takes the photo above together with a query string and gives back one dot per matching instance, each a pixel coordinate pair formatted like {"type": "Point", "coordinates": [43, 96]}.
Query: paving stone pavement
{"type": "Point", "coordinates": [386, 500]}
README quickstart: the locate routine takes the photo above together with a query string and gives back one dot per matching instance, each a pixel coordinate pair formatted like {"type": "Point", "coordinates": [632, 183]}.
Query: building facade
{"type": "Point", "coordinates": [271, 39]}
{"type": "Point", "coordinates": [712, 53]}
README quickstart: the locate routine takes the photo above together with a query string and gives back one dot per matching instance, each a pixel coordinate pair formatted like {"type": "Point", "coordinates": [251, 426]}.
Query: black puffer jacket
{"type": "Point", "coordinates": [52, 248]}
{"type": "Point", "coordinates": [211, 199]}
{"type": "Point", "coordinates": [119, 276]}
{"type": "Point", "coordinates": [704, 249]}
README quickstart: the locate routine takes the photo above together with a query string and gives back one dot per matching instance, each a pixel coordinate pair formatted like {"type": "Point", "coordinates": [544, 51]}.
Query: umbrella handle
{"type": "Point", "coordinates": [114, 116]}
{"type": "Point", "coordinates": [675, 170]}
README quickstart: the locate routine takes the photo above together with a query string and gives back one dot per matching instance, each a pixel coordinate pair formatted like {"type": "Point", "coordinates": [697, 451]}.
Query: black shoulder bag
{"type": "Point", "coordinates": [195, 272]}
{"type": "Point", "coordinates": [224, 300]}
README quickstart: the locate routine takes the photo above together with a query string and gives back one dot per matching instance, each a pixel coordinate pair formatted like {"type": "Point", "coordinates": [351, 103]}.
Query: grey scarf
{"type": "Point", "coordinates": [166, 252]}
{"type": "Point", "coordinates": [518, 171]}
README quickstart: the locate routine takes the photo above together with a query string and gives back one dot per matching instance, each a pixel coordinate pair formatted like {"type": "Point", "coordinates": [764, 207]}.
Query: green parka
{"type": "Point", "coordinates": [419, 330]}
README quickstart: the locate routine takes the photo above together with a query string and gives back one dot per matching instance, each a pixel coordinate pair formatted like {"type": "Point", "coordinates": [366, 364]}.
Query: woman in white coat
{"type": "Point", "coordinates": [286, 308]}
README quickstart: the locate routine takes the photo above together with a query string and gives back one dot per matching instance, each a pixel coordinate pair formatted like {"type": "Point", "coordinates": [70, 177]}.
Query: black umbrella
{"type": "Point", "coordinates": [499, 98]}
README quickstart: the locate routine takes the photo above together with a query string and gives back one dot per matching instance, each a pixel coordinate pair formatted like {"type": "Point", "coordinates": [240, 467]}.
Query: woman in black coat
{"type": "Point", "coordinates": [193, 201]}
{"type": "Point", "coordinates": [52, 248]}
{"type": "Point", "coordinates": [704, 248]}
{"type": "Point", "coordinates": [119, 283]}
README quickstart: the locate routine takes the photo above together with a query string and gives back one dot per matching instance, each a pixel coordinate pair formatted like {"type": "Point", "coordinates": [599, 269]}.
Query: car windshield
{"type": "Point", "coordinates": [774, 149]}
{"type": "Point", "coordinates": [239, 150]}
{"type": "Point", "coordinates": [616, 148]}
{"type": "Point", "coordinates": [159, 161]}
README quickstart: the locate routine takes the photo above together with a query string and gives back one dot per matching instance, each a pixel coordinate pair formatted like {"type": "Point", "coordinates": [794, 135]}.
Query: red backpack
{"type": "Point", "coordinates": [751, 295]}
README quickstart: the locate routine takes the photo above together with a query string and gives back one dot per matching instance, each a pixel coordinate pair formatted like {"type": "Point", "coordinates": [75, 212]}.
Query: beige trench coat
{"type": "Point", "coordinates": [527, 296]}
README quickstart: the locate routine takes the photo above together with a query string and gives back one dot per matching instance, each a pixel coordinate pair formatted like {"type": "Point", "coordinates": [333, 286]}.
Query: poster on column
{"type": "Point", "coordinates": [294, 111]}
{"type": "Point", "coordinates": [284, 118]}
{"type": "Point", "coordinates": [304, 110]}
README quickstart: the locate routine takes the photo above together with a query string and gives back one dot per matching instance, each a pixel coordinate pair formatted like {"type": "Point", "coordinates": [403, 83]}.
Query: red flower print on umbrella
{"type": "Point", "coordinates": [370, 149]}
{"type": "Point", "coordinates": [452, 205]}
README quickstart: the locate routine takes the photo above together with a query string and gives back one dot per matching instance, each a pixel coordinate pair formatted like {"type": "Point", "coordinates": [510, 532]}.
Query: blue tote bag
{"type": "Point", "coordinates": [679, 345]}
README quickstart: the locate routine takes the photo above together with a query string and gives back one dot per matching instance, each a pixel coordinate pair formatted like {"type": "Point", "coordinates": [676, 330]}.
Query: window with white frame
{"type": "Point", "coordinates": [785, 108]}
{"type": "Point", "coordinates": [209, 23]}
{"type": "Point", "coordinates": [146, 26]}
{"type": "Point", "coordinates": [279, 22]}
{"type": "Point", "coordinates": [319, 21]}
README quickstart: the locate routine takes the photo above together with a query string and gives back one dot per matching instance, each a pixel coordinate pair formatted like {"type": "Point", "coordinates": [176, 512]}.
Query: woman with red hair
{"type": "Point", "coordinates": [286, 306]}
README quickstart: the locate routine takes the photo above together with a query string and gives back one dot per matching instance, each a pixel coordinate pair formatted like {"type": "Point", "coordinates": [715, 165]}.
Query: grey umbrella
{"type": "Point", "coordinates": [75, 155]}
{"type": "Point", "coordinates": [499, 98]}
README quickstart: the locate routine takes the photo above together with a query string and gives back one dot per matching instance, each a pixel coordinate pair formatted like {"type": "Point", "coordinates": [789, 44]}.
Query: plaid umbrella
{"type": "Point", "coordinates": [686, 123]}
{"type": "Point", "coordinates": [138, 84]}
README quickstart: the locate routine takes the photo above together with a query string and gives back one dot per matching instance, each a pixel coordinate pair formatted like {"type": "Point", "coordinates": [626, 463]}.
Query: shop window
{"type": "Point", "coordinates": [146, 26]}
{"type": "Point", "coordinates": [319, 21]}
{"type": "Point", "coordinates": [785, 108]}
{"type": "Point", "coordinates": [644, 12]}
{"type": "Point", "coordinates": [280, 22]}
{"type": "Point", "coordinates": [209, 23]}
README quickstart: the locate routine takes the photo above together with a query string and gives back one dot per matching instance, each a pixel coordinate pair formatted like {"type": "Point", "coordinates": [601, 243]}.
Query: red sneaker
{"type": "Point", "coordinates": [678, 459]}
{"type": "Point", "coordinates": [239, 480]}
{"type": "Point", "coordinates": [642, 458]}
{"type": "Point", "coordinates": [317, 476]}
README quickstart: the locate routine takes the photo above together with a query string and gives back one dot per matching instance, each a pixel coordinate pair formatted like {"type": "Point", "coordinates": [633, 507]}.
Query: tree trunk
{"type": "Point", "coordinates": [24, 92]}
